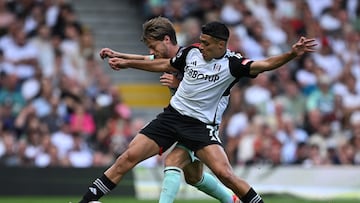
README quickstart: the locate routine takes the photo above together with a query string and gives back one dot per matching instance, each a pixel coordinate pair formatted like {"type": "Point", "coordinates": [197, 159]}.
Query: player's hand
{"type": "Point", "coordinates": [304, 45]}
{"type": "Point", "coordinates": [117, 63]}
{"type": "Point", "coordinates": [106, 52]}
{"type": "Point", "coordinates": [169, 80]}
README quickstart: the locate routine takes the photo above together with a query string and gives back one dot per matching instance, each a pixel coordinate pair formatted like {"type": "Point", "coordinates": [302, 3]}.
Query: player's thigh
{"type": "Point", "coordinates": [215, 158]}
{"type": "Point", "coordinates": [141, 148]}
{"type": "Point", "coordinates": [178, 157]}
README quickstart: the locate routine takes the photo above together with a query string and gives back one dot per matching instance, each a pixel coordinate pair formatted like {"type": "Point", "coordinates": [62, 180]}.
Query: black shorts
{"type": "Point", "coordinates": [170, 127]}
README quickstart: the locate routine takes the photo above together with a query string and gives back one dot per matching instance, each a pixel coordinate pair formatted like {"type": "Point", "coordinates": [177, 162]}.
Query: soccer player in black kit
{"type": "Point", "coordinates": [210, 70]}
{"type": "Point", "coordinates": [160, 37]}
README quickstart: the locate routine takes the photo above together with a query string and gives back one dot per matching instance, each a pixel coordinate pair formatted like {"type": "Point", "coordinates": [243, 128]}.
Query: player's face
{"type": "Point", "coordinates": [158, 48]}
{"type": "Point", "coordinates": [211, 47]}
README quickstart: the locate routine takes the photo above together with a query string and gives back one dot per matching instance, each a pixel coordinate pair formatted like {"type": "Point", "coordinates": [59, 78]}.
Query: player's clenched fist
{"type": "Point", "coordinates": [170, 80]}
{"type": "Point", "coordinates": [117, 63]}
{"type": "Point", "coordinates": [106, 52]}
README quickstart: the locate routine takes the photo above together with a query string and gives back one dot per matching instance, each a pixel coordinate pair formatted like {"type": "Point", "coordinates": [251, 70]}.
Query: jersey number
{"type": "Point", "coordinates": [214, 132]}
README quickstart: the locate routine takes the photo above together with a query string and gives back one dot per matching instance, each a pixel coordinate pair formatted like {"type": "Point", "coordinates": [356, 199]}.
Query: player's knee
{"type": "Point", "coordinates": [224, 174]}
{"type": "Point", "coordinates": [171, 162]}
{"type": "Point", "coordinates": [176, 161]}
{"type": "Point", "coordinates": [133, 157]}
{"type": "Point", "coordinates": [125, 162]}
{"type": "Point", "coordinates": [192, 178]}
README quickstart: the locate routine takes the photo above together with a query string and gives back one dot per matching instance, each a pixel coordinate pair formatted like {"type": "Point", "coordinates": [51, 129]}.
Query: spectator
{"type": "Point", "coordinates": [42, 42]}
{"type": "Point", "coordinates": [331, 18]}
{"type": "Point", "coordinates": [302, 153]}
{"type": "Point", "coordinates": [175, 11]}
{"type": "Point", "coordinates": [327, 60]}
{"type": "Point", "coordinates": [87, 45]}
{"type": "Point", "coordinates": [189, 32]}
{"type": "Point", "coordinates": [315, 156]}
{"type": "Point", "coordinates": [6, 16]}
{"type": "Point", "coordinates": [33, 144]}
{"type": "Point", "coordinates": [66, 16]}
{"type": "Point", "coordinates": [346, 153]}
{"type": "Point", "coordinates": [34, 18]}
{"type": "Point", "coordinates": [73, 62]}
{"type": "Point", "coordinates": [63, 141]}
{"type": "Point", "coordinates": [7, 117]}
{"type": "Point", "coordinates": [7, 39]}
{"type": "Point", "coordinates": [231, 12]}
{"type": "Point", "coordinates": [5, 67]}
{"type": "Point", "coordinates": [102, 146]}
{"type": "Point", "coordinates": [54, 119]}
{"type": "Point", "coordinates": [267, 148]}
{"type": "Point", "coordinates": [235, 129]}
{"type": "Point", "coordinates": [120, 128]}
{"type": "Point", "coordinates": [10, 93]}
{"type": "Point", "coordinates": [319, 7]}
{"type": "Point", "coordinates": [8, 152]}
{"type": "Point", "coordinates": [293, 103]}
{"type": "Point", "coordinates": [258, 94]}
{"type": "Point", "coordinates": [323, 99]}
{"type": "Point", "coordinates": [42, 101]}
{"type": "Point", "coordinates": [290, 136]}
{"type": "Point", "coordinates": [350, 96]}
{"type": "Point", "coordinates": [356, 142]}
{"type": "Point", "coordinates": [81, 121]}
{"type": "Point", "coordinates": [80, 155]}
{"type": "Point", "coordinates": [48, 154]}
{"type": "Point", "coordinates": [306, 75]}
{"type": "Point", "coordinates": [153, 8]}
{"type": "Point", "coordinates": [23, 55]}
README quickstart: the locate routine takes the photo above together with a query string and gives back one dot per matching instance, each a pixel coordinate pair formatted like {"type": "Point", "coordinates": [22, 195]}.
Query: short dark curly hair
{"type": "Point", "coordinates": [217, 30]}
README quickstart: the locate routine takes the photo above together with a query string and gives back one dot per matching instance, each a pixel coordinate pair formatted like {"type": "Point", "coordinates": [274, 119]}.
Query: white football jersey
{"type": "Point", "coordinates": [206, 84]}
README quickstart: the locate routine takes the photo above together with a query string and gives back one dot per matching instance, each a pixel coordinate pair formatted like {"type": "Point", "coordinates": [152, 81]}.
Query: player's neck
{"type": "Point", "coordinates": [220, 55]}
{"type": "Point", "coordinates": [174, 50]}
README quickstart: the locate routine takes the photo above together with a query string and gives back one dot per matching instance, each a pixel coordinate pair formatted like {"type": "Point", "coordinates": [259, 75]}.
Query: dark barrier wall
{"type": "Point", "coordinates": [56, 181]}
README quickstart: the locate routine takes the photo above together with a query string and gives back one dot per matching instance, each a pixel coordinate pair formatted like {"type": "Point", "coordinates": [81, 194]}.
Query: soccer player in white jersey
{"type": "Point", "coordinates": [162, 43]}
{"type": "Point", "coordinates": [209, 70]}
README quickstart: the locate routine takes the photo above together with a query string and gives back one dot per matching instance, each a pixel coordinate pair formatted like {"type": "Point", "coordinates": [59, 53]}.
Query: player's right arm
{"type": "Point", "coordinates": [109, 53]}
{"type": "Point", "coordinates": [167, 79]}
{"type": "Point", "coordinates": [157, 65]}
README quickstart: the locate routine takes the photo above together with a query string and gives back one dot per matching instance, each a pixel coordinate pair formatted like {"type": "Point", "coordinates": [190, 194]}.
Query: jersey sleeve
{"type": "Point", "coordinates": [179, 61]}
{"type": "Point", "coordinates": [240, 66]}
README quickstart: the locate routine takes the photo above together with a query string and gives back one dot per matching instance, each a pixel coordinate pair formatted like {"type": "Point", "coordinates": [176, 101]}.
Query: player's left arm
{"type": "Point", "coordinates": [302, 46]}
{"type": "Point", "coordinates": [169, 80]}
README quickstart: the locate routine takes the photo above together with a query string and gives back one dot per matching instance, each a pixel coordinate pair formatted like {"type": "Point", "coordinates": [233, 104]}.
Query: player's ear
{"type": "Point", "coordinates": [167, 38]}
{"type": "Point", "coordinates": [222, 44]}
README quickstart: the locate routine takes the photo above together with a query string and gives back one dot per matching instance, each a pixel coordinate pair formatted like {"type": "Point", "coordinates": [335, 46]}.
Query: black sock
{"type": "Point", "coordinates": [99, 188]}
{"type": "Point", "coordinates": [251, 196]}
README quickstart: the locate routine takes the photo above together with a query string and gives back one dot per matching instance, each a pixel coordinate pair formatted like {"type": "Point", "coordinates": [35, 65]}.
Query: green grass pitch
{"type": "Point", "coordinates": [112, 199]}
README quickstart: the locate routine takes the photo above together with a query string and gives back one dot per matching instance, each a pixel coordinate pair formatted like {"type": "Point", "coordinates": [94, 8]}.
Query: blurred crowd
{"type": "Point", "coordinates": [57, 105]}
{"type": "Point", "coordinates": [308, 111]}
{"type": "Point", "coordinates": [59, 108]}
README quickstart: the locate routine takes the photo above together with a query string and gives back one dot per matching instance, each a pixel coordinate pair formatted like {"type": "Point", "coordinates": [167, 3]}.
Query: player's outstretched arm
{"type": "Point", "coordinates": [109, 53]}
{"type": "Point", "coordinates": [302, 46]}
{"type": "Point", "coordinates": [157, 65]}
